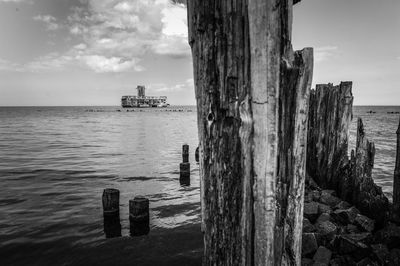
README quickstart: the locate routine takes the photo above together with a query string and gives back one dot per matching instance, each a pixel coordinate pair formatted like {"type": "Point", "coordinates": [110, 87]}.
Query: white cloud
{"type": "Point", "coordinates": [114, 64]}
{"type": "Point", "coordinates": [174, 21]}
{"type": "Point", "coordinates": [324, 53]}
{"type": "Point", "coordinates": [49, 21]}
{"type": "Point", "coordinates": [130, 29]}
{"type": "Point", "coordinates": [115, 35]}
{"type": "Point", "coordinates": [80, 46]}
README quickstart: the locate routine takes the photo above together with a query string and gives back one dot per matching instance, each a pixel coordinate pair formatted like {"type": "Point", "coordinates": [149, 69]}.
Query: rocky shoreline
{"type": "Point", "coordinates": [336, 233]}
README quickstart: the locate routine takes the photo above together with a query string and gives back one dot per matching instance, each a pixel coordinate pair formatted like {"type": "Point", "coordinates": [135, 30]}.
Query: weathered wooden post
{"type": "Point", "coordinates": [197, 155]}
{"type": "Point", "coordinates": [110, 201]}
{"type": "Point", "coordinates": [251, 91]}
{"type": "Point", "coordinates": [112, 225]}
{"type": "Point", "coordinates": [396, 179]}
{"type": "Point", "coordinates": [139, 216]}
{"type": "Point", "coordinates": [331, 110]}
{"type": "Point", "coordinates": [185, 153]}
{"type": "Point", "coordinates": [184, 167]}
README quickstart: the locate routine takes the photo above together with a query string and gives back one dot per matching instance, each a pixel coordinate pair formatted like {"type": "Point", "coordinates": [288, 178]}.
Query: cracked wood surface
{"type": "Point", "coordinates": [239, 49]}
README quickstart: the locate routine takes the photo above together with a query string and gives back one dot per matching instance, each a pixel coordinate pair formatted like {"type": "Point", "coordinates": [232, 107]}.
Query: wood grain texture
{"type": "Point", "coordinates": [243, 65]}
{"type": "Point", "coordinates": [218, 35]}
{"type": "Point", "coordinates": [331, 111]}
{"type": "Point", "coordinates": [327, 159]}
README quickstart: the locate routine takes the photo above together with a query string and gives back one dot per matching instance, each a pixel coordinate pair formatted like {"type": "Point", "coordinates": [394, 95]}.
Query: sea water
{"type": "Point", "coordinates": [56, 161]}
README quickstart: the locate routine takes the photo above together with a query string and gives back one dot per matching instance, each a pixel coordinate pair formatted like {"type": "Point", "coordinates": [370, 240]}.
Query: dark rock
{"type": "Point", "coordinates": [326, 229]}
{"type": "Point", "coordinates": [366, 262]}
{"type": "Point", "coordinates": [348, 244]}
{"type": "Point", "coordinates": [311, 183]}
{"type": "Point", "coordinates": [394, 257]}
{"type": "Point", "coordinates": [308, 227]}
{"type": "Point", "coordinates": [309, 244]}
{"type": "Point", "coordinates": [306, 262]}
{"type": "Point", "coordinates": [381, 253]}
{"type": "Point", "coordinates": [364, 223]}
{"type": "Point", "coordinates": [342, 230]}
{"type": "Point", "coordinates": [330, 192]}
{"type": "Point", "coordinates": [342, 261]}
{"type": "Point", "coordinates": [390, 235]}
{"type": "Point", "coordinates": [345, 216]}
{"type": "Point", "coordinates": [328, 198]}
{"type": "Point", "coordinates": [352, 229]}
{"type": "Point", "coordinates": [372, 202]}
{"type": "Point", "coordinates": [311, 211]}
{"type": "Point", "coordinates": [322, 256]}
{"type": "Point", "coordinates": [324, 217]}
{"type": "Point", "coordinates": [323, 208]}
{"type": "Point", "coordinates": [315, 195]}
{"type": "Point", "coordinates": [365, 238]}
{"type": "Point", "coordinates": [342, 205]}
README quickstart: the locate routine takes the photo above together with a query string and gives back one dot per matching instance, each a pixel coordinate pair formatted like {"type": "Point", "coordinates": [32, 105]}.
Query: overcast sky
{"type": "Point", "coordinates": [91, 52]}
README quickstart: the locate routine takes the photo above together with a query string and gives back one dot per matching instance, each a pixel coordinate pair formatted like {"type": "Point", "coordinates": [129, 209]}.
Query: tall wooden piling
{"type": "Point", "coordinates": [252, 101]}
{"type": "Point", "coordinates": [396, 179]}
{"type": "Point", "coordinates": [139, 216]}
{"type": "Point", "coordinates": [331, 112]}
{"type": "Point", "coordinates": [327, 157]}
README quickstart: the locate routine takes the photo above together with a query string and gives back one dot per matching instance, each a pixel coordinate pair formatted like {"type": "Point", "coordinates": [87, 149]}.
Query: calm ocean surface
{"type": "Point", "coordinates": [56, 161]}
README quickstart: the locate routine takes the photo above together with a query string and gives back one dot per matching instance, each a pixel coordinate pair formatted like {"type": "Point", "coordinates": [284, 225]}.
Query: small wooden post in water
{"type": "Point", "coordinates": [396, 179]}
{"type": "Point", "coordinates": [139, 216]}
{"type": "Point", "coordinates": [196, 154]}
{"type": "Point", "coordinates": [184, 167]}
{"type": "Point", "coordinates": [112, 225]}
{"type": "Point", "coordinates": [185, 153]}
{"type": "Point", "coordinates": [110, 202]}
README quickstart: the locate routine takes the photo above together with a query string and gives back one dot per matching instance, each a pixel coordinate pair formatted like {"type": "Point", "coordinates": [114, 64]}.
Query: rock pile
{"type": "Point", "coordinates": [336, 233]}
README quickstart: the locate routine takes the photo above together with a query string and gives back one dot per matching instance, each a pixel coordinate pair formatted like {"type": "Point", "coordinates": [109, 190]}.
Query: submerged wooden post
{"type": "Point", "coordinates": [396, 179]}
{"type": "Point", "coordinates": [251, 91]}
{"type": "Point", "coordinates": [139, 216]}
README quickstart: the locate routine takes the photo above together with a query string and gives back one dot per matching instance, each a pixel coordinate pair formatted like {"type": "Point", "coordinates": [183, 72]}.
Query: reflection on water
{"type": "Point", "coordinates": [112, 226]}
{"type": "Point", "coordinates": [139, 228]}
{"type": "Point", "coordinates": [184, 181]}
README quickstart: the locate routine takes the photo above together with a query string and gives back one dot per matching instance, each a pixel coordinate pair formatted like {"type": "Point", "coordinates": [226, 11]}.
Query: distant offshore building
{"type": "Point", "coordinates": [141, 100]}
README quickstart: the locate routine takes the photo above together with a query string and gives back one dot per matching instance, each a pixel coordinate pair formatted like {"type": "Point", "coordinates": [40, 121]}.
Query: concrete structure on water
{"type": "Point", "coordinates": [141, 100]}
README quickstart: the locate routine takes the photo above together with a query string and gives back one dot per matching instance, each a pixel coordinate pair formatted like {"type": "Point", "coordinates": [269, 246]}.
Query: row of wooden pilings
{"type": "Point", "coordinates": [139, 214]}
